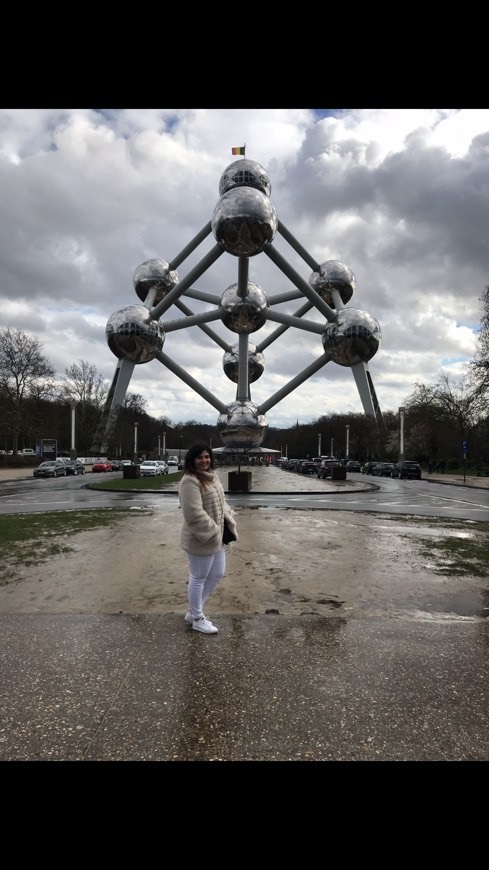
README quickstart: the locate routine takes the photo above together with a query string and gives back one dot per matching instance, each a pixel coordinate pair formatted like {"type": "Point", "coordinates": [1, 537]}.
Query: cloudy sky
{"type": "Point", "coordinates": [400, 196]}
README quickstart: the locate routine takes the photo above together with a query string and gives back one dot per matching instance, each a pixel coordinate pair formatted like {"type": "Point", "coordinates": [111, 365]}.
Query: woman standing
{"type": "Point", "coordinates": [204, 509]}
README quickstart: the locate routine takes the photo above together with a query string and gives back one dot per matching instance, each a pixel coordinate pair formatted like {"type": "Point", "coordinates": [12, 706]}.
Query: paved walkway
{"type": "Point", "coordinates": [118, 687]}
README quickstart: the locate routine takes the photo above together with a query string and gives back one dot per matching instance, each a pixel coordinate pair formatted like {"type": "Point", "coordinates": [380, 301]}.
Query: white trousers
{"type": "Point", "coordinates": [204, 573]}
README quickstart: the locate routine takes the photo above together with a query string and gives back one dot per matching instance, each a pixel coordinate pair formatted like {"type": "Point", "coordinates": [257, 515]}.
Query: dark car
{"type": "Point", "coordinates": [324, 469]}
{"type": "Point", "coordinates": [50, 468]}
{"type": "Point", "coordinates": [116, 464]}
{"type": "Point", "coordinates": [367, 467]}
{"type": "Point", "coordinates": [308, 467]}
{"type": "Point", "coordinates": [407, 469]}
{"type": "Point", "coordinates": [74, 466]}
{"type": "Point", "coordinates": [353, 465]}
{"type": "Point", "coordinates": [292, 464]}
{"type": "Point", "coordinates": [383, 469]}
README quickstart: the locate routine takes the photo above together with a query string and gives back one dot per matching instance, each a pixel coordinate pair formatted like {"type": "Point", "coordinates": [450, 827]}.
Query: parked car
{"type": "Point", "coordinates": [50, 468]}
{"type": "Point", "coordinates": [292, 464]}
{"type": "Point", "coordinates": [116, 464]}
{"type": "Point", "coordinates": [406, 469]}
{"type": "Point", "coordinates": [102, 466]}
{"type": "Point", "coordinates": [368, 466]}
{"type": "Point", "coordinates": [353, 465]}
{"type": "Point", "coordinates": [172, 461]}
{"type": "Point", "coordinates": [150, 468]}
{"type": "Point", "coordinates": [308, 467]}
{"type": "Point", "coordinates": [383, 469]}
{"type": "Point", "coordinates": [125, 462]}
{"type": "Point", "coordinates": [324, 469]}
{"type": "Point", "coordinates": [74, 466]}
{"type": "Point", "coordinates": [164, 465]}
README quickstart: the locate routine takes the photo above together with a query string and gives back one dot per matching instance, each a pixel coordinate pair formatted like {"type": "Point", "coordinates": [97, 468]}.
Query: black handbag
{"type": "Point", "coordinates": [227, 535]}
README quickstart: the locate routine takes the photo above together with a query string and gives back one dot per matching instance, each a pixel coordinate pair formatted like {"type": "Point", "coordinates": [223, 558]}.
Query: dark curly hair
{"type": "Point", "coordinates": [190, 457]}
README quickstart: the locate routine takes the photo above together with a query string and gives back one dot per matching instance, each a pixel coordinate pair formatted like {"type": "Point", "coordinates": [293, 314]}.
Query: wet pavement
{"type": "Point", "coordinates": [267, 688]}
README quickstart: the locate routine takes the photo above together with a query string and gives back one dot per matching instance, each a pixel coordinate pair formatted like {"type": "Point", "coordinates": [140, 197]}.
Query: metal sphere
{"type": "Point", "coordinates": [244, 221]}
{"type": "Point", "coordinates": [244, 315]}
{"type": "Point", "coordinates": [132, 335]}
{"type": "Point", "coordinates": [245, 173]}
{"type": "Point", "coordinates": [256, 364]}
{"type": "Point", "coordinates": [154, 273]}
{"type": "Point", "coordinates": [354, 337]}
{"type": "Point", "coordinates": [333, 276]}
{"type": "Point", "coordinates": [241, 426]}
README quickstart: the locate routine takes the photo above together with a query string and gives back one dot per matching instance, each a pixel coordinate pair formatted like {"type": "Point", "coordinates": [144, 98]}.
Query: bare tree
{"type": "Point", "coordinates": [84, 388]}
{"type": "Point", "coordinates": [25, 373]}
{"type": "Point", "coordinates": [135, 403]}
{"type": "Point", "coordinates": [451, 411]}
{"type": "Point", "coordinates": [459, 403]}
{"type": "Point", "coordinates": [479, 368]}
{"type": "Point", "coordinates": [84, 385]}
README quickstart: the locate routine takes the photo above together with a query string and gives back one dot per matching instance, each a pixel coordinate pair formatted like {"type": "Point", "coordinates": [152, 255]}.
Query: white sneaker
{"type": "Point", "coordinates": [188, 616]}
{"type": "Point", "coordinates": [204, 625]}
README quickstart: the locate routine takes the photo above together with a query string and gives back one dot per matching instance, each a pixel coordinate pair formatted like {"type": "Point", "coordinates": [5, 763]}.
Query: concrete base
{"type": "Point", "coordinates": [338, 473]}
{"type": "Point", "coordinates": [131, 472]}
{"type": "Point", "coordinates": [239, 481]}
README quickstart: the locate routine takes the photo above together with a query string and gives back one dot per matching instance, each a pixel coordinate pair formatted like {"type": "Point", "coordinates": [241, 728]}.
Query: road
{"type": "Point", "coordinates": [272, 489]}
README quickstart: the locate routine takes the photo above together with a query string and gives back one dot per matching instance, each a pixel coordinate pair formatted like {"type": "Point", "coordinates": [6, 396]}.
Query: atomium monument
{"type": "Point", "coordinates": [244, 224]}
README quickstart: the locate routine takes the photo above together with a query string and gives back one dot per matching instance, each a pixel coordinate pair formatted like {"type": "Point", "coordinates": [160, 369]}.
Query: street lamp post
{"type": "Point", "coordinates": [135, 457]}
{"type": "Point", "coordinates": [180, 450]}
{"type": "Point", "coordinates": [332, 447]}
{"type": "Point", "coordinates": [347, 427]}
{"type": "Point", "coordinates": [319, 444]}
{"type": "Point", "coordinates": [73, 441]}
{"type": "Point", "coordinates": [159, 446]}
{"type": "Point", "coordinates": [401, 434]}
{"type": "Point", "coordinates": [164, 446]}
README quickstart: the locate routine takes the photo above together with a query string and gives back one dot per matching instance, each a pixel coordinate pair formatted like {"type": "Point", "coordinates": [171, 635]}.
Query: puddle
{"type": "Point", "coordinates": [469, 603]}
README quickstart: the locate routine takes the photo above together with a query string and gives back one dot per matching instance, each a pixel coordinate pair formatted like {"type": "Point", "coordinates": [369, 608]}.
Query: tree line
{"type": "Point", "coordinates": [438, 418]}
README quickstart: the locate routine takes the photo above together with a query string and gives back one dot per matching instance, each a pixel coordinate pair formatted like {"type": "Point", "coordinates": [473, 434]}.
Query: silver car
{"type": "Point", "coordinates": [150, 468]}
{"type": "Point", "coordinates": [50, 468]}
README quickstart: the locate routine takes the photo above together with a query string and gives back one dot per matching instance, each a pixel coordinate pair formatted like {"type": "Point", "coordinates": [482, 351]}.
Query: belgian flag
{"type": "Point", "coordinates": [239, 150]}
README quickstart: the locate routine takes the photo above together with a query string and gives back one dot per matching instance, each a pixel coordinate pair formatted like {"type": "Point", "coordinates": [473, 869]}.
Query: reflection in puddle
{"type": "Point", "coordinates": [468, 603]}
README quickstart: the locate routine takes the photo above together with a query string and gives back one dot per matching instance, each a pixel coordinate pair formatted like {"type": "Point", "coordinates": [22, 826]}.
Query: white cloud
{"type": "Point", "coordinates": [398, 195]}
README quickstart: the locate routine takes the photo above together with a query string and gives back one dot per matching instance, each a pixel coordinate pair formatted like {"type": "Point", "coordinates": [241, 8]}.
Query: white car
{"type": "Point", "coordinates": [164, 465]}
{"type": "Point", "coordinates": [172, 461]}
{"type": "Point", "coordinates": [150, 468]}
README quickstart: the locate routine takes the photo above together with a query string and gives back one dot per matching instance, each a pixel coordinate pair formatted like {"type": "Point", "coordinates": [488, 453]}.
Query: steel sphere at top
{"type": "Point", "coordinates": [244, 221]}
{"type": "Point", "coordinates": [244, 315]}
{"type": "Point", "coordinates": [245, 173]}
{"type": "Point", "coordinates": [354, 337]}
{"type": "Point", "coordinates": [154, 275]}
{"type": "Point", "coordinates": [132, 335]}
{"type": "Point", "coordinates": [242, 426]}
{"type": "Point", "coordinates": [333, 276]}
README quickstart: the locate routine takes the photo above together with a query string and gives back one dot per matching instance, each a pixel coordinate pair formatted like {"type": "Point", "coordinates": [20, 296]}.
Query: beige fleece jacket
{"type": "Point", "coordinates": [203, 514]}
